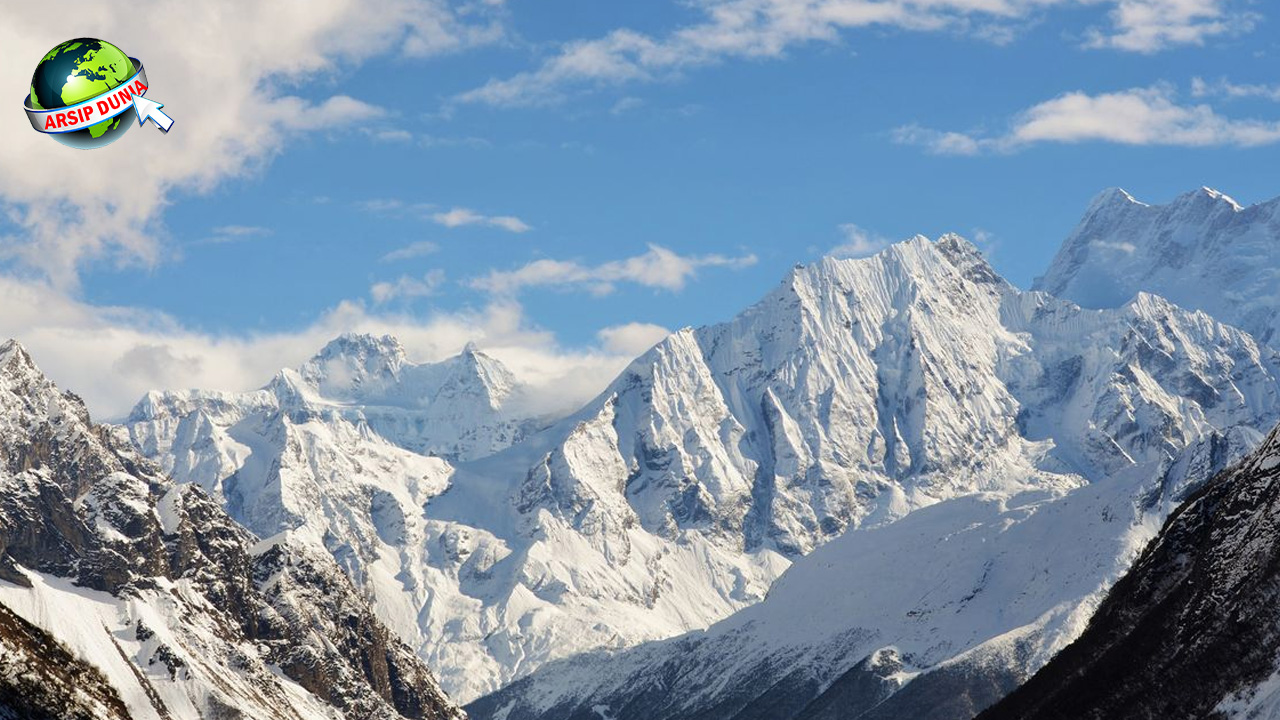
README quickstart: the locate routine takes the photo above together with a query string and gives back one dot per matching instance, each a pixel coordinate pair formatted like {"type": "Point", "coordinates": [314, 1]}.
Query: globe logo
{"type": "Point", "coordinates": [83, 88]}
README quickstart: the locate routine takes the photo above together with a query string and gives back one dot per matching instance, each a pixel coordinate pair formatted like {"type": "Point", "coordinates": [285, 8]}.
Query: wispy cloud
{"type": "Point", "coordinates": [418, 249]}
{"type": "Point", "coordinates": [454, 217]}
{"type": "Point", "coordinates": [659, 268]}
{"type": "Point", "coordinates": [1224, 88]}
{"type": "Point", "coordinates": [459, 216]}
{"type": "Point", "coordinates": [391, 135]}
{"type": "Point", "coordinates": [407, 288]}
{"type": "Point", "coordinates": [1149, 26]}
{"type": "Point", "coordinates": [765, 29]}
{"type": "Point", "coordinates": [858, 242]}
{"type": "Point", "coordinates": [235, 233]}
{"type": "Point", "coordinates": [625, 105]}
{"type": "Point", "coordinates": [1138, 116]}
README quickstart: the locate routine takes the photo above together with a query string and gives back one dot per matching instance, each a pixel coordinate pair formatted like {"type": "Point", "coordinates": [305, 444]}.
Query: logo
{"type": "Point", "coordinates": [82, 91]}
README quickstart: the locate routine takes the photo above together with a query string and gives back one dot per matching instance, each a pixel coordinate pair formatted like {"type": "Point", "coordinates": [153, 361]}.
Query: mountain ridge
{"type": "Point", "coordinates": [181, 612]}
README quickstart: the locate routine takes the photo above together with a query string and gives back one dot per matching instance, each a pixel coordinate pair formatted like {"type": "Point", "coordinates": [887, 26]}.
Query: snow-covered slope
{"type": "Point", "coordinates": [933, 616]}
{"type": "Point", "coordinates": [1202, 251]}
{"type": "Point", "coordinates": [163, 598]}
{"type": "Point", "coordinates": [854, 393]}
{"type": "Point", "coordinates": [1190, 631]}
{"type": "Point", "coordinates": [861, 391]}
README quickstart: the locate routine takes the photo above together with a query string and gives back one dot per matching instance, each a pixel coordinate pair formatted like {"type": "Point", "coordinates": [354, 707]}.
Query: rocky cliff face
{"type": "Point", "coordinates": [169, 608]}
{"type": "Point", "coordinates": [41, 679]}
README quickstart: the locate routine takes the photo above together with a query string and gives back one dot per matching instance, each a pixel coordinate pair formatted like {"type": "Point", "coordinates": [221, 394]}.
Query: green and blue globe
{"type": "Point", "coordinates": [78, 70]}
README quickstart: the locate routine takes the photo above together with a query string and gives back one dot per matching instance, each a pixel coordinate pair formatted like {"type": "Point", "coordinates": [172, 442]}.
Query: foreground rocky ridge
{"type": "Point", "coordinates": [173, 609]}
{"type": "Point", "coordinates": [1190, 630]}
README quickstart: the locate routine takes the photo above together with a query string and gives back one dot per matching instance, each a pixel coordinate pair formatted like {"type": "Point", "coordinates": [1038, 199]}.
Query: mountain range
{"type": "Point", "coordinates": [895, 487]}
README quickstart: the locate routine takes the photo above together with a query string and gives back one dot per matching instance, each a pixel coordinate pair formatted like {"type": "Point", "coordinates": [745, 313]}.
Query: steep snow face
{"type": "Point", "coordinates": [182, 612]}
{"type": "Point", "coordinates": [861, 389]}
{"type": "Point", "coordinates": [1202, 251]}
{"type": "Point", "coordinates": [853, 394]}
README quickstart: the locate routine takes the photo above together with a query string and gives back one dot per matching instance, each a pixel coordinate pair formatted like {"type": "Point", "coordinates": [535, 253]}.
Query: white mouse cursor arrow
{"type": "Point", "coordinates": [151, 109]}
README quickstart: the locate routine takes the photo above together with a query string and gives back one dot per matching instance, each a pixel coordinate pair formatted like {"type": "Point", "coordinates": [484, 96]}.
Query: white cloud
{"type": "Point", "coordinates": [458, 217]}
{"type": "Point", "coordinates": [756, 29]}
{"type": "Point", "coordinates": [631, 338]}
{"type": "Point", "coordinates": [226, 85]}
{"type": "Point", "coordinates": [134, 351]}
{"type": "Point", "coordinates": [659, 268]}
{"type": "Point", "coordinates": [1139, 116]}
{"type": "Point", "coordinates": [1152, 25]}
{"type": "Point", "coordinates": [937, 141]}
{"type": "Point", "coordinates": [858, 242]}
{"type": "Point", "coordinates": [338, 111]}
{"type": "Point", "coordinates": [412, 250]}
{"type": "Point", "coordinates": [1201, 88]}
{"type": "Point", "coordinates": [407, 288]}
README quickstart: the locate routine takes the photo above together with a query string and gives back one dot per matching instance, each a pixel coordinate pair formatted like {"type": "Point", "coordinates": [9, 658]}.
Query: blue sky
{"type": "Point", "coordinates": [531, 157]}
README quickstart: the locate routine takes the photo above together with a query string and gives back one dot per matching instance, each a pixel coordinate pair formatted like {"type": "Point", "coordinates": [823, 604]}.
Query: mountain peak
{"type": "Point", "coordinates": [363, 346]}
{"type": "Point", "coordinates": [19, 372]}
{"type": "Point", "coordinates": [1209, 197]}
{"type": "Point", "coordinates": [968, 259]}
{"type": "Point", "coordinates": [1201, 251]}
{"type": "Point", "coordinates": [352, 362]}
{"type": "Point", "coordinates": [1113, 197]}
{"type": "Point", "coordinates": [11, 351]}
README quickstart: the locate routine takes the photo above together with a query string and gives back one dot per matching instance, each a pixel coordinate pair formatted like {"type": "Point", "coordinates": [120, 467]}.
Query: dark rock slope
{"type": "Point", "coordinates": [1193, 630]}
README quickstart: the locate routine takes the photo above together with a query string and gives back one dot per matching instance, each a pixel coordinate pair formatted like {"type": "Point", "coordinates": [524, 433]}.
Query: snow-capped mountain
{"type": "Point", "coordinates": [1190, 631]}
{"type": "Point", "coordinates": [463, 407]}
{"type": "Point", "coordinates": [861, 391]}
{"type": "Point", "coordinates": [856, 392]}
{"type": "Point", "coordinates": [124, 594]}
{"type": "Point", "coordinates": [1202, 251]}
{"type": "Point", "coordinates": [307, 456]}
